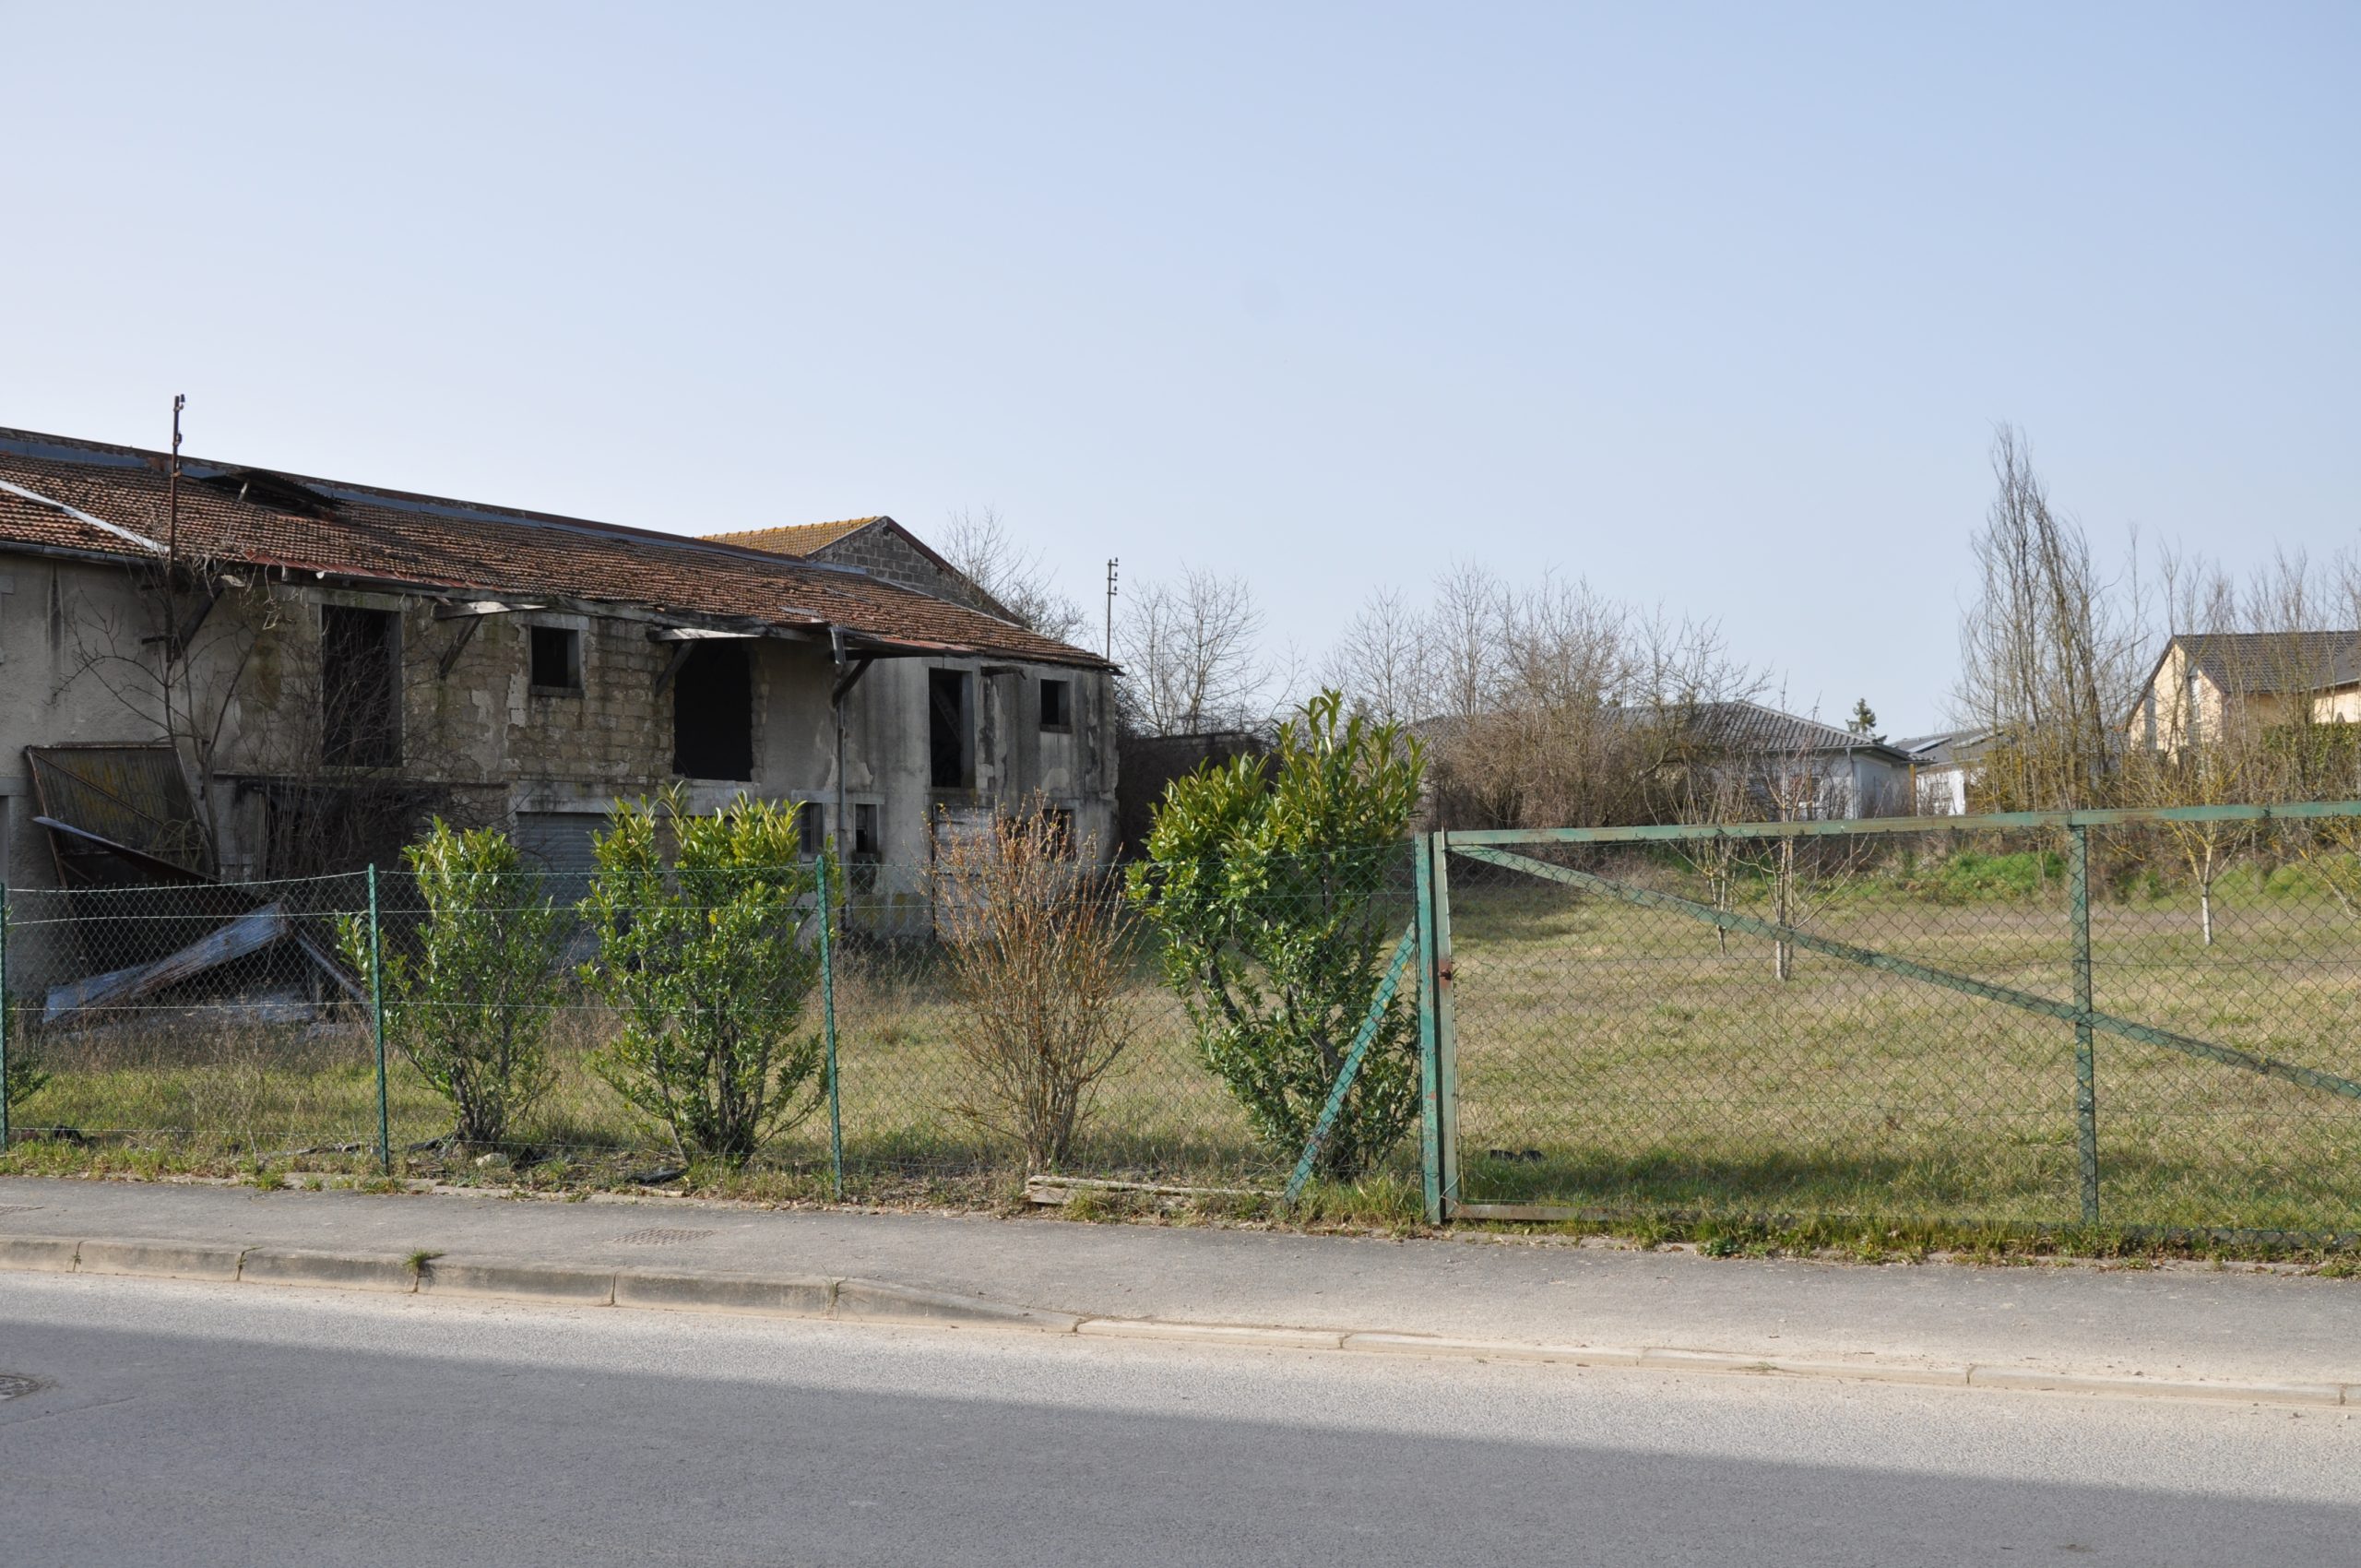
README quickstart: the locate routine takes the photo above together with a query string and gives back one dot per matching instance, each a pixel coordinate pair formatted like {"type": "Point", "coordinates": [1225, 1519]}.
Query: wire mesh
{"type": "Point", "coordinates": [237, 1027]}
{"type": "Point", "coordinates": [1912, 1051]}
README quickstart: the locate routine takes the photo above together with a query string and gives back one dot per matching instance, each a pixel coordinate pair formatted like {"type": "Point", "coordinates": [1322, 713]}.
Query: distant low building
{"type": "Point", "coordinates": [1798, 767]}
{"type": "Point", "coordinates": [1943, 768]}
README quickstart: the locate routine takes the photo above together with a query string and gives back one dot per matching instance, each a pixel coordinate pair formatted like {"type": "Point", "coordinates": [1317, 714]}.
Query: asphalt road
{"type": "Point", "coordinates": [203, 1424]}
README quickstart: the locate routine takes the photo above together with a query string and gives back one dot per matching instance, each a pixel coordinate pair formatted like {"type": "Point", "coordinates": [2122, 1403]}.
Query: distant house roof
{"type": "Point", "coordinates": [1735, 727]}
{"type": "Point", "coordinates": [1945, 749]}
{"type": "Point", "coordinates": [2270, 661]}
{"type": "Point", "coordinates": [91, 500]}
{"type": "Point", "coordinates": [1751, 727]}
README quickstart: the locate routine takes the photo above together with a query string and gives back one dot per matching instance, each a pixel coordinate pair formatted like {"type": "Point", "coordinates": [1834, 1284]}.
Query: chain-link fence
{"type": "Point", "coordinates": [582, 1031]}
{"type": "Point", "coordinates": [2131, 1019]}
{"type": "Point", "coordinates": [2118, 1020]}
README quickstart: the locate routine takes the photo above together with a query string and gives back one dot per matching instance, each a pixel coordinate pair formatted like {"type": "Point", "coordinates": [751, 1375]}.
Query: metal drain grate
{"type": "Point", "coordinates": [656, 1235]}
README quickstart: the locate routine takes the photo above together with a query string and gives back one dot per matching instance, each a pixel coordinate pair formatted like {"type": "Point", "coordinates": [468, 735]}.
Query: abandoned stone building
{"type": "Point", "coordinates": [244, 673]}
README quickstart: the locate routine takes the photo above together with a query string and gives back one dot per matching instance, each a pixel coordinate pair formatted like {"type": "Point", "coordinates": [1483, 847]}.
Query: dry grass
{"type": "Point", "coordinates": [1620, 1061]}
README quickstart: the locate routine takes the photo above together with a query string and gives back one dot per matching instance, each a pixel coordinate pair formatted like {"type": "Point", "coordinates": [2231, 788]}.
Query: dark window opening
{"type": "Point", "coordinates": [866, 843]}
{"type": "Point", "coordinates": [713, 713]}
{"type": "Point", "coordinates": [557, 658]}
{"type": "Point", "coordinates": [1057, 824]}
{"type": "Point", "coordinates": [950, 736]}
{"type": "Point", "coordinates": [1056, 699]}
{"type": "Point", "coordinates": [811, 830]}
{"type": "Point", "coordinates": [360, 687]}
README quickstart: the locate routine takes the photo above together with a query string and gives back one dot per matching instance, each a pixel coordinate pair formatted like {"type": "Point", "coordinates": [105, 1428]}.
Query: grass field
{"type": "Point", "coordinates": [1625, 1061]}
{"type": "Point", "coordinates": [1622, 1062]}
{"type": "Point", "coordinates": [213, 1085]}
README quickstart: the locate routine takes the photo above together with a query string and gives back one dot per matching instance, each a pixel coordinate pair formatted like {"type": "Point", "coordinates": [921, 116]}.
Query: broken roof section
{"type": "Point", "coordinates": [88, 499]}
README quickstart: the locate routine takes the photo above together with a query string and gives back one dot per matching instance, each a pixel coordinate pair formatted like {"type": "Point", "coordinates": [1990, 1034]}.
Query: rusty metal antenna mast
{"type": "Point", "coordinates": [1111, 565]}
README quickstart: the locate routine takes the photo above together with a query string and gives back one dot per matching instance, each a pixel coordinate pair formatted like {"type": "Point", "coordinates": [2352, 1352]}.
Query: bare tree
{"type": "Point", "coordinates": [1545, 705]}
{"type": "Point", "coordinates": [175, 651]}
{"type": "Point", "coordinates": [1380, 662]}
{"type": "Point", "coordinates": [1464, 641]}
{"type": "Point", "coordinates": [2204, 754]}
{"type": "Point", "coordinates": [980, 545]}
{"type": "Point", "coordinates": [1189, 655]}
{"type": "Point", "coordinates": [2046, 650]}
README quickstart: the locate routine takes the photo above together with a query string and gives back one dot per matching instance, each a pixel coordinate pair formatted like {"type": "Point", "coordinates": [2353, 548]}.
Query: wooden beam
{"type": "Point", "coordinates": [680, 652]}
{"type": "Point", "coordinates": [458, 646]}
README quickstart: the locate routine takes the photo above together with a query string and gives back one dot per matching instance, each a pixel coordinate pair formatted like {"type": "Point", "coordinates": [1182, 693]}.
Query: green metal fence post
{"type": "Point", "coordinates": [828, 1031]}
{"type": "Point", "coordinates": [2086, 1097]}
{"type": "Point", "coordinates": [1446, 1029]}
{"type": "Point", "coordinates": [377, 1028]}
{"type": "Point", "coordinates": [3, 1022]}
{"type": "Point", "coordinates": [1429, 1068]}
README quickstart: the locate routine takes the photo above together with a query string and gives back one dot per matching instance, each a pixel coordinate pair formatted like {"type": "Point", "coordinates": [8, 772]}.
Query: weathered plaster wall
{"type": "Point", "coordinates": [483, 724]}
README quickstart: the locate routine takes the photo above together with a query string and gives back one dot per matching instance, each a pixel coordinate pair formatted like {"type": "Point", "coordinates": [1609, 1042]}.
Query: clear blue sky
{"type": "Point", "coordinates": [1716, 305]}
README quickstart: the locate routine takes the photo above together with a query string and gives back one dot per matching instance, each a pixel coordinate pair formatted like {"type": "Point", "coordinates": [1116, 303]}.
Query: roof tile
{"type": "Point", "coordinates": [433, 543]}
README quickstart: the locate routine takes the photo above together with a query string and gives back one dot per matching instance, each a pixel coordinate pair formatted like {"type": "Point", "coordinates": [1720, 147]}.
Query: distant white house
{"type": "Point", "coordinates": [1942, 767]}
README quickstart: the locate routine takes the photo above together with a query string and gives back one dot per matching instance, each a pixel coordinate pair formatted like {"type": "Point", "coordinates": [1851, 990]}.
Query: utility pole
{"type": "Point", "coordinates": [1111, 563]}
{"type": "Point", "coordinates": [172, 571]}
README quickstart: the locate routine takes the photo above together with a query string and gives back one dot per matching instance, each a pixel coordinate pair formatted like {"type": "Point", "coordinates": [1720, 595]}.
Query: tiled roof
{"type": "Point", "coordinates": [1751, 727]}
{"type": "Point", "coordinates": [364, 533]}
{"type": "Point", "coordinates": [793, 539]}
{"type": "Point", "coordinates": [2275, 662]}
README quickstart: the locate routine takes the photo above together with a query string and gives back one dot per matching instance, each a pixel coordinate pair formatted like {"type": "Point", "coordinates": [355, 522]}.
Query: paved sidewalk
{"type": "Point", "coordinates": [2175, 1322]}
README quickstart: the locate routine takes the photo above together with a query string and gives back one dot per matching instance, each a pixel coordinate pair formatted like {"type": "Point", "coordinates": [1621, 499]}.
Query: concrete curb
{"type": "Point", "coordinates": [829, 1298]}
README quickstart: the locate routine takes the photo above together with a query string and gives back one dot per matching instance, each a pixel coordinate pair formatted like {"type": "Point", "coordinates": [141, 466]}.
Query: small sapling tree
{"type": "Point", "coordinates": [1268, 881]}
{"type": "Point", "coordinates": [469, 1002]}
{"type": "Point", "coordinates": [707, 951]}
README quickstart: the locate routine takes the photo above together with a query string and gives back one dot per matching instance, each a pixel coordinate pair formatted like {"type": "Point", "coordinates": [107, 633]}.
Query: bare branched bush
{"type": "Point", "coordinates": [1039, 956]}
{"type": "Point", "coordinates": [1550, 704]}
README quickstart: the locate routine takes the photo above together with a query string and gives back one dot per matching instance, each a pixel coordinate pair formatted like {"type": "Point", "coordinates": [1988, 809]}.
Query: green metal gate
{"type": "Point", "coordinates": [1902, 1017]}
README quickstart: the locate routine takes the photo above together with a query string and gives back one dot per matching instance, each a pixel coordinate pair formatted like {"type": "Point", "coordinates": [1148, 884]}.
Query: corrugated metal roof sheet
{"type": "Point", "coordinates": [432, 543]}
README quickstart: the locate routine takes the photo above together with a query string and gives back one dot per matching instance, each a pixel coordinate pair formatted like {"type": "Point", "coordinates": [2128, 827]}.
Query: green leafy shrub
{"type": "Point", "coordinates": [26, 1078]}
{"type": "Point", "coordinates": [468, 1004]}
{"type": "Point", "coordinates": [1269, 881]}
{"type": "Point", "coordinates": [707, 952]}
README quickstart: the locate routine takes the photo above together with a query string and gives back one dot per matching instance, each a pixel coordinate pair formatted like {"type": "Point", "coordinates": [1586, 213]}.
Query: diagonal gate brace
{"type": "Point", "coordinates": [1352, 1068]}
{"type": "Point", "coordinates": [2067, 1011]}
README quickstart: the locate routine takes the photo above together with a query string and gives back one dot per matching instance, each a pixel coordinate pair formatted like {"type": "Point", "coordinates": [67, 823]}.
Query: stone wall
{"type": "Point", "coordinates": [486, 730]}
